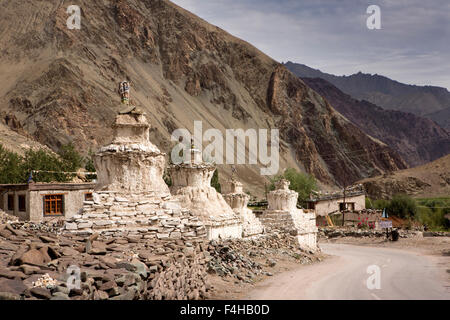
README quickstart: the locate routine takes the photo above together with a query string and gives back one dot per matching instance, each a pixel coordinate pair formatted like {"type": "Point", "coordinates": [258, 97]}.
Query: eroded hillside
{"type": "Point", "coordinates": [60, 85]}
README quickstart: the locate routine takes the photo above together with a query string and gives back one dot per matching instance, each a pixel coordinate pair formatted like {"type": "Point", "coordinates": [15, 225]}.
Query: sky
{"type": "Point", "coordinates": [412, 46]}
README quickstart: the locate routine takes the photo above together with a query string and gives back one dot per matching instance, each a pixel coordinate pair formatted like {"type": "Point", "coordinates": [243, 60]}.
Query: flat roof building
{"type": "Point", "coordinates": [39, 202]}
{"type": "Point", "coordinates": [326, 204]}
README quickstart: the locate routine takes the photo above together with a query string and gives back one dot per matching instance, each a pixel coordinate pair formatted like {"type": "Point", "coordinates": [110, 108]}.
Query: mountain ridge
{"type": "Point", "coordinates": [384, 92]}
{"type": "Point", "coordinates": [60, 84]}
{"type": "Point", "coordinates": [418, 140]}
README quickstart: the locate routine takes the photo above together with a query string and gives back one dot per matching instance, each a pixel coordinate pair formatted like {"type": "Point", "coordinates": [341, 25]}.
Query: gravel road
{"type": "Point", "coordinates": [403, 275]}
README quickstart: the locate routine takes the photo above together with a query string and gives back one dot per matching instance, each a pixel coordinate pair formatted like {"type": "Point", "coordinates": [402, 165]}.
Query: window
{"type": "Point", "coordinates": [22, 203]}
{"type": "Point", "coordinates": [53, 204]}
{"type": "Point", "coordinates": [10, 202]}
{"type": "Point", "coordinates": [342, 206]}
{"type": "Point", "coordinates": [88, 196]}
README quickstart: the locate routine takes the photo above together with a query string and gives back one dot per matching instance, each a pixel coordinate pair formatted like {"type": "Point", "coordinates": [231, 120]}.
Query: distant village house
{"type": "Point", "coordinates": [326, 204]}
{"type": "Point", "coordinates": [39, 202]}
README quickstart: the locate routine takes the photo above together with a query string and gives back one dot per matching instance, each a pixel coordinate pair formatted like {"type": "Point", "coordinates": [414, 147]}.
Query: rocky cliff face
{"type": "Point", "coordinates": [60, 84]}
{"type": "Point", "coordinates": [418, 140]}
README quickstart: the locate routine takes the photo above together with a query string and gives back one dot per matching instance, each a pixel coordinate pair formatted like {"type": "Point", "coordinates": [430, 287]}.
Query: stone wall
{"type": "Point", "coordinates": [111, 213]}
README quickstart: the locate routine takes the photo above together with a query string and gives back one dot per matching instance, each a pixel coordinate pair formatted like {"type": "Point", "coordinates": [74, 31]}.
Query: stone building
{"type": "Point", "coordinates": [191, 184]}
{"type": "Point", "coordinates": [131, 196]}
{"type": "Point", "coordinates": [235, 197]}
{"type": "Point", "coordinates": [282, 215]}
{"type": "Point", "coordinates": [323, 205]}
{"type": "Point", "coordinates": [39, 202]}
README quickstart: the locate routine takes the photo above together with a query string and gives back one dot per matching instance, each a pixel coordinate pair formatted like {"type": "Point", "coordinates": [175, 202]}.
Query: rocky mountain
{"type": "Point", "coordinates": [418, 140]}
{"type": "Point", "coordinates": [425, 101]}
{"type": "Point", "coordinates": [429, 180]}
{"type": "Point", "coordinates": [60, 85]}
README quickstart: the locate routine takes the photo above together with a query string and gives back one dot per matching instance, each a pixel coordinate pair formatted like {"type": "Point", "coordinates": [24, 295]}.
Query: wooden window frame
{"type": "Point", "coordinates": [24, 208]}
{"type": "Point", "coordinates": [10, 196]}
{"type": "Point", "coordinates": [53, 204]}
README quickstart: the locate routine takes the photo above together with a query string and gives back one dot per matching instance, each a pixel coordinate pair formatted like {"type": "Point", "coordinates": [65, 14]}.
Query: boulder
{"type": "Point", "coordinates": [9, 296]}
{"type": "Point", "coordinates": [9, 274]}
{"type": "Point", "coordinates": [41, 293]}
{"type": "Point", "coordinates": [33, 257]}
{"type": "Point", "coordinates": [27, 269]}
{"type": "Point", "coordinates": [59, 296]}
{"type": "Point", "coordinates": [12, 286]}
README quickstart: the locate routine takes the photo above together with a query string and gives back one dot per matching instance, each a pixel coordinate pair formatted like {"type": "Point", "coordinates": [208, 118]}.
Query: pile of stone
{"type": "Point", "coordinates": [333, 232]}
{"type": "Point", "coordinates": [244, 260]}
{"type": "Point", "coordinates": [4, 217]}
{"type": "Point", "coordinates": [40, 265]}
{"type": "Point", "coordinates": [37, 265]}
{"type": "Point", "coordinates": [436, 234]}
{"type": "Point", "coordinates": [45, 226]}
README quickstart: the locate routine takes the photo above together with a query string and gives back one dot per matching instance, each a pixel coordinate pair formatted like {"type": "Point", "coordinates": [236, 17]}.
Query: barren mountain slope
{"type": "Point", "coordinates": [60, 84]}
{"type": "Point", "coordinates": [418, 140]}
{"type": "Point", "coordinates": [430, 180]}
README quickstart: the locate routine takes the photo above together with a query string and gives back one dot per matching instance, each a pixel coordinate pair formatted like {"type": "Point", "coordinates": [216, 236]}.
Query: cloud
{"type": "Point", "coordinates": [412, 45]}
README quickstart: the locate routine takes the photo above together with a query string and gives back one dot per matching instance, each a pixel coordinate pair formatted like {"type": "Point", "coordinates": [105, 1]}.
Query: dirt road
{"type": "Point", "coordinates": [403, 275]}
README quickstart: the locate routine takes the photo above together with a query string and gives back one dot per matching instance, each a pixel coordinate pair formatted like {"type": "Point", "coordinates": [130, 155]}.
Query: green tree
{"type": "Point", "coordinates": [89, 165]}
{"type": "Point", "coordinates": [302, 183]}
{"type": "Point", "coordinates": [215, 181]}
{"type": "Point", "coordinates": [11, 169]}
{"type": "Point", "coordinates": [16, 169]}
{"type": "Point", "coordinates": [380, 204]}
{"type": "Point", "coordinates": [402, 206]}
{"type": "Point", "coordinates": [71, 159]}
{"type": "Point", "coordinates": [42, 160]}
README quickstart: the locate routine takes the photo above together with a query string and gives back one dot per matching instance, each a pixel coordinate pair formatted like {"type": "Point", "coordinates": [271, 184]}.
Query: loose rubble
{"type": "Point", "coordinates": [40, 265]}
{"type": "Point", "coordinates": [334, 232]}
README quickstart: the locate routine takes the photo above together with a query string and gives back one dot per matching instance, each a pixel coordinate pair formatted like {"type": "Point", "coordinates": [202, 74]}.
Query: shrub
{"type": "Point", "coordinates": [369, 203]}
{"type": "Point", "coordinates": [433, 216]}
{"type": "Point", "coordinates": [402, 206]}
{"type": "Point", "coordinates": [215, 181]}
